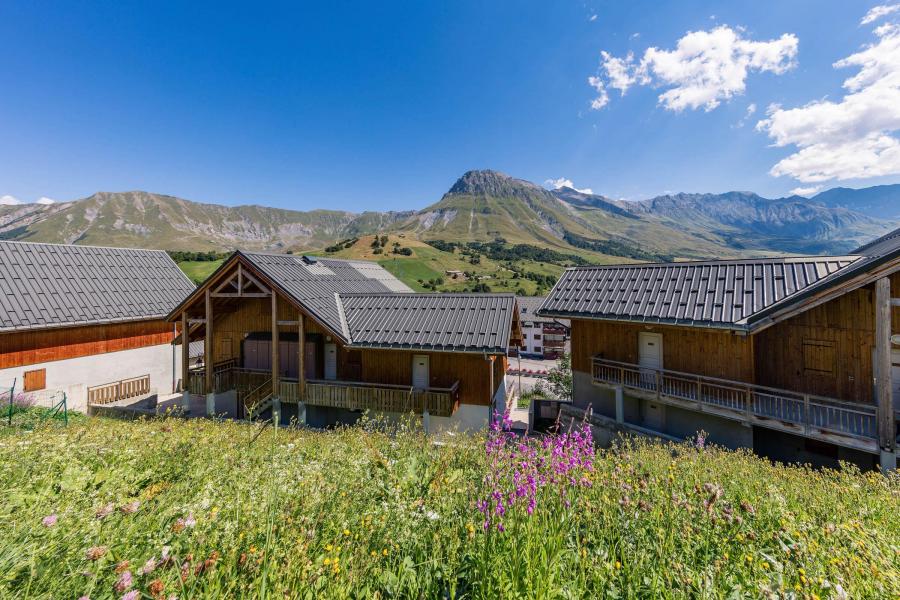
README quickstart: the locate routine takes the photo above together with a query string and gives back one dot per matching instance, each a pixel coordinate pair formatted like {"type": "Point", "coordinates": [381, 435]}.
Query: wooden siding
{"type": "Point", "coordinates": [471, 370]}
{"type": "Point", "coordinates": [32, 347]}
{"type": "Point", "coordinates": [826, 350]}
{"type": "Point", "coordinates": [701, 351]}
{"type": "Point", "coordinates": [235, 319]}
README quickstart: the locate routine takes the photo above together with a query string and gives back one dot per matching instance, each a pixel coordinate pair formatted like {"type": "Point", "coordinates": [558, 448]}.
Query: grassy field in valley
{"type": "Point", "coordinates": [205, 509]}
{"type": "Point", "coordinates": [199, 270]}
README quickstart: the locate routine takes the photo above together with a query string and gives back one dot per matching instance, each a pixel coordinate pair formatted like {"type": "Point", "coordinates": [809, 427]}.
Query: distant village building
{"type": "Point", "coordinates": [792, 357]}
{"type": "Point", "coordinates": [542, 337]}
{"type": "Point", "coordinates": [88, 322]}
{"type": "Point", "coordinates": [322, 340]}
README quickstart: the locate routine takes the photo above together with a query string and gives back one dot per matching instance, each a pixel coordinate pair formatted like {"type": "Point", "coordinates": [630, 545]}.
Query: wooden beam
{"type": "Point", "coordinates": [195, 321]}
{"type": "Point", "coordinates": [208, 345]}
{"type": "Point", "coordinates": [275, 365]}
{"type": "Point", "coordinates": [895, 301]}
{"type": "Point", "coordinates": [288, 323]}
{"type": "Point", "coordinates": [185, 351]}
{"type": "Point", "coordinates": [885, 406]}
{"type": "Point", "coordinates": [301, 376]}
{"type": "Point", "coordinates": [240, 295]}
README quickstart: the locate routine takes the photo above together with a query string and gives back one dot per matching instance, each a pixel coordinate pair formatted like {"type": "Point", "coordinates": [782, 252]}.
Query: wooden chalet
{"type": "Point", "coordinates": [798, 358]}
{"type": "Point", "coordinates": [321, 340]}
{"type": "Point", "coordinates": [87, 322]}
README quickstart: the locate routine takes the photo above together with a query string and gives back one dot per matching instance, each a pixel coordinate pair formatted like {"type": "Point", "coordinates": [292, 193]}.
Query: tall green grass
{"type": "Point", "coordinates": [204, 509]}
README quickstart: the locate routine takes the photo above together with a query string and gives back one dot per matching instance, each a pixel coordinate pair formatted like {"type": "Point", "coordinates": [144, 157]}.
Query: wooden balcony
{"type": "Point", "coordinates": [350, 395]}
{"type": "Point", "coordinates": [355, 395]}
{"type": "Point", "coordinates": [847, 424]}
{"type": "Point", "coordinates": [225, 379]}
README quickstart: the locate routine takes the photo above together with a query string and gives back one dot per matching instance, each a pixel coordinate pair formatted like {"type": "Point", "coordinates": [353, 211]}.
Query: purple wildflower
{"type": "Point", "coordinates": [132, 595]}
{"type": "Point", "coordinates": [49, 520]}
{"type": "Point", "coordinates": [130, 508]}
{"type": "Point", "coordinates": [149, 566]}
{"type": "Point", "coordinates": [124, 582]}
{"type": "Point", "coordinates": [105, 511]}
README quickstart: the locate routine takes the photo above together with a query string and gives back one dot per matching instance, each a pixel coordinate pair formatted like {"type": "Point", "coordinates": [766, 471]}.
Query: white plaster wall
{"type": "Point", "coordinates": [74, 375]}
{"type": "Point", "coordinates": [467, 418]}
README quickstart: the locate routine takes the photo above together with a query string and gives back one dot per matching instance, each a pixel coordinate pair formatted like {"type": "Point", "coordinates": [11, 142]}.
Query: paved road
{"type": "Point", "coordinates": [532, 364]}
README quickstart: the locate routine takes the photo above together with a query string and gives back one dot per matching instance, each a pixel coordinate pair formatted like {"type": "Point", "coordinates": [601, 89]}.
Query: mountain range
{"type": "Point", "coordinates": [483, 206]}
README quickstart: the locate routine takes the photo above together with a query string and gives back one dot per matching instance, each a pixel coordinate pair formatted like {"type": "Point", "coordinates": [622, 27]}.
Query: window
{"type": "Point", "coordinates": [537, 336]}
{"type": "Point", "coordinates": [35, 380]}
{"type": "Point", "coordinates": [538, 349]}
{"type": "Point", "coordinates": [818, 357]}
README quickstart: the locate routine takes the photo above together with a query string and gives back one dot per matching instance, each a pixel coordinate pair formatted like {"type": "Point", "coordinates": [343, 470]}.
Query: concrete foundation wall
{"type": "Point", "coordinates": [676, 422]}
{"type": "Point", "coordinates": [468, 417]}
{"type": "Point", "coordinates": [787, 448]}
{"type": "Point", "coordinates": [73, 376]}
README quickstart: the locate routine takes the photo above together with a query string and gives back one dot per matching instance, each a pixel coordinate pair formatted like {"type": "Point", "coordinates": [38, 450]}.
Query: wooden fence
{"type": "Point", "coordinates": [352, 395]}
{"type": "Point", "coordinates": [119, 390]}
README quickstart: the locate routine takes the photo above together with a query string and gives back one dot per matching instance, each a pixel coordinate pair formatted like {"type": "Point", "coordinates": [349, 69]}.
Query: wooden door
{"type": "Point", "coordinates": [330, 361]}
{"type": "Point", "coordinates": [420, 375]}
{"type": "Point", "coordinates": [310, 359]}
{"type": "Point", "coordinates": [650, 357]}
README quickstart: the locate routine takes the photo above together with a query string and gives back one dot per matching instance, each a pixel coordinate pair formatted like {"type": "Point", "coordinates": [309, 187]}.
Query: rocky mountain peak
{"type": "Point", "coordinates": [492, 183]}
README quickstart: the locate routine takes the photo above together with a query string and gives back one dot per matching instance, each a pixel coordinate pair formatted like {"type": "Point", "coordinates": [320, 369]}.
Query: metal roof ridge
{"type": "Point", "coordinates": [90, 246]}
{"type": "Point", "coordinates": [728, 261]}
{"type": "Point", "coordinates": [345, 327]}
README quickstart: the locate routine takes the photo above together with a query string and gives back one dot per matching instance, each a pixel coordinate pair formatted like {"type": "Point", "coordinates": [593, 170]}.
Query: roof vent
{"type": "Point", "coordinates": [310, 260]}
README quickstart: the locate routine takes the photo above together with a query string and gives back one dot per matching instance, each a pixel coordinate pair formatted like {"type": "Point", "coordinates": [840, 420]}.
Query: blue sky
{"type": "Point", "coordinates": [383, 105]}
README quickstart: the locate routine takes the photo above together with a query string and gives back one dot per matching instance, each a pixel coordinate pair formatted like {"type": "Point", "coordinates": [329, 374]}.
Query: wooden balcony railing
{"type": "Point", "coordinates": [351, 395]}
{"type": "Point", "coordinates": [119, 390]}
{"type": "Point", "coordinates": [242, 380]}
{"type": "Point", "coordinates": [804, 414]}
{"type": "Point", "coordinates": [354, 395]}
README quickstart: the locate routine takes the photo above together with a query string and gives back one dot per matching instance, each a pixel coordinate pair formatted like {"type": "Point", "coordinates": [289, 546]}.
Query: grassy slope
{"type": "Point", "coordinates": [351, 513]}
{"type": "Point", "coordinates": [198, 270]}
{"type": "Point", "coordinates": [427, 263]}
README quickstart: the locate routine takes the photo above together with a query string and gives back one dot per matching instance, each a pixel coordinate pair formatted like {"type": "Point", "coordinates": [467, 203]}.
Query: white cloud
{"type": "Point", "coordinates": [751, 110]}
{"type": "Point", "coordinates": [705, 68]}
{"type": "Point", "coordinates": [593, 18]}
{"type": "Point", "coordinates": [9, 200]}
{"type": "Point", "coordinates": [879, 11]}
{"type": "Point", "coordinates": [563, 182]}
{"type": "Point", "coordinates": [45, 200]}
{"type": "Point", "coordinates": [602, 98]}
{"type": "Point", "coordinates": [805, 191]}
{"type": "Point", "coordinates": [854, 137]}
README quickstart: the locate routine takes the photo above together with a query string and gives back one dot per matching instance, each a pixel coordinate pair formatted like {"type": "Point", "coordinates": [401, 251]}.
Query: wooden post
{"type": "Point", "coordinates": [882, 371]}
{"type": "Point", "coordinates": [185, 353]}
{"type": "Point", "coordinates": [301, 376]}
{"type": "Point", "coordinates": [275, 357]}
{"type": "Point", "coordinates": [208, 357]}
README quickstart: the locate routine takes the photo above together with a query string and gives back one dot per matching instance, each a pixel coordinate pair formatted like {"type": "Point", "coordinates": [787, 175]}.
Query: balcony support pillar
{"type": "Point", "coordinates": [620, 404]}
{"type": "Point", "coordinates": [887, 441]}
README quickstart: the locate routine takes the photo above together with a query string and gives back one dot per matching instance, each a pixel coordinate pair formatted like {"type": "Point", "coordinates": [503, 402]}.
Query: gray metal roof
{"type": "Point", "coordinates": [314, 282]}
{"type": "Point", "coordinates": [54, 285]}
{"type": "Point", "coordinates": [448, 322]}
{"type": "Point", "coordinates": [528, 310]}
{"type": "Point", "coordinates": [709, 293]}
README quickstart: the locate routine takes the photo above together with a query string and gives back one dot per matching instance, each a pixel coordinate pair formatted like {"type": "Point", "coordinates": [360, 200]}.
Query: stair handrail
{"type": "Point", "coordinates": [256, 391]}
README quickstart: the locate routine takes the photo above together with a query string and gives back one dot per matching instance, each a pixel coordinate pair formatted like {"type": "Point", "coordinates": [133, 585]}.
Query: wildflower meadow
{"type": "Point", "coordinates": [170, 508]}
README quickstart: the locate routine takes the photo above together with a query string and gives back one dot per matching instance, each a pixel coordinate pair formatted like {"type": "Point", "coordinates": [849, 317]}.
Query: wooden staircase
{"type": "Point", "coordinates": [258, 400]}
